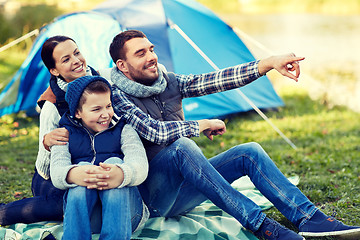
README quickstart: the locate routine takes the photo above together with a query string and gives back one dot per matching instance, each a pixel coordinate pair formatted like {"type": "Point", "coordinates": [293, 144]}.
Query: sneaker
{"type": "Point", "coordinates": [321, 225]}
{"type": "Point", "coordinates": [272, 230]}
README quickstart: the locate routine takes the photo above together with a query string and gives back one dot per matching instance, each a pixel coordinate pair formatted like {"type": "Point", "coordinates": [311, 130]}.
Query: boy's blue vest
{"type": "Point", "coordinates": [86, 147]}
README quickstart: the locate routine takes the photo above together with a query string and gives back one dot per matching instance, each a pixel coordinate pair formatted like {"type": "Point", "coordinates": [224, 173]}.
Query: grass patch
{"type": "Point", "coordinates": [10, 61]}
{"type": "Point", "coordinates": [327, 157]}
{"type": "Point", "coordinates": [18, 148]}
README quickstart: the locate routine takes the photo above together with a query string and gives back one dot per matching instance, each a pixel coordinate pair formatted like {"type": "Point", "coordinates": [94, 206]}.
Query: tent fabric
{"type": "Point", "coordinates": [94, 30]}
{"type": "Point", "coordinates": [32, 78]}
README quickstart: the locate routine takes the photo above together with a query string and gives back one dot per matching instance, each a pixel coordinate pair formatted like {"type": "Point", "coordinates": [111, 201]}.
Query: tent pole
{"type": "Point", "coordinates": [178, 29]}
{"type": "Point", "coordinates": [34, 32]}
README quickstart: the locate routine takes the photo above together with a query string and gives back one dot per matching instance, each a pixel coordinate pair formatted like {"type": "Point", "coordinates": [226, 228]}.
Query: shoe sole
{"type": "Point", "coordinates": [353, 234]}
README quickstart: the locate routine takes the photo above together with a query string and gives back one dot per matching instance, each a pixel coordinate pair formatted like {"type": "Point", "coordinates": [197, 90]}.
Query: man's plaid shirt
{"type": "Point", "coordinates": [190, 86]}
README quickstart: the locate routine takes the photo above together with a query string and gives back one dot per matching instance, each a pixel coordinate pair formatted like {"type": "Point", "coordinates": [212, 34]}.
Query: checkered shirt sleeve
{"type": "Point", "coordinates": [153, 130]}
{"type": "Point", "coordinates": [190, 86]}
{"type": "Point", "coordinates": [218, 81]}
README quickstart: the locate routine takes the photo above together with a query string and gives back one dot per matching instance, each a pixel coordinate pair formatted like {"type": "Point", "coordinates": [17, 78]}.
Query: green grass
{"type": "Point", "coordinates": [18, 148]}
{"type": "Point", "coordinates": [10, 61]}
{"type": "Point", "coordinates": [327, 157]}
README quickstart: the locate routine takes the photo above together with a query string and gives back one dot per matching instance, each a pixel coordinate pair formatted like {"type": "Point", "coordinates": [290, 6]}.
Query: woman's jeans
{"type": "Point", "coordinates": [121, 211]}
{"type": "Point", "coordinates": [180, 178]}
{"type": "Point", "coordinates": [46, 205]}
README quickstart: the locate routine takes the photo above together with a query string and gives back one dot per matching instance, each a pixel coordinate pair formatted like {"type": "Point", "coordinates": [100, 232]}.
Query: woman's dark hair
{"type": "Point", "coordinates": [116, 49]}
{"type": "Point", "coordinates": [48, 49]}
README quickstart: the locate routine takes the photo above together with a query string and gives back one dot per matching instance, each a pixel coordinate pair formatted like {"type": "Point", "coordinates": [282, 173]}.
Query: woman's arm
{"type": "Point", "coordinates": [49, 120]}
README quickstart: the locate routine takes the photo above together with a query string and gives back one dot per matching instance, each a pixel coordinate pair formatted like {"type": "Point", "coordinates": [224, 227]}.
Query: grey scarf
{"type": "Point", "coordinates": [63, 84]}
{"type": "Point", "coordinates": [136, 89]}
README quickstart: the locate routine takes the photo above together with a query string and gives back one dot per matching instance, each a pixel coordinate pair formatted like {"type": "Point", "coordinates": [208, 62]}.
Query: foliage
{"type": "Point", "coordinates": [26, 19]}
{"type": "Point", "coordinates": [231, 6]}
{"type": "Point", "coordinates": [327, 157]}
{"type": "Point", "coordinates": [11, 60]}
{"type": "Point", "coordinates": [5, 28]}
{"type": "Point", "coordinates": [34, 16]}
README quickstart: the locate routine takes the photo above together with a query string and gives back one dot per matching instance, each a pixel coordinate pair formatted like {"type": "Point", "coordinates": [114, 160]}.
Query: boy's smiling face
{"type": "Point", "coordinates": [96, 112]}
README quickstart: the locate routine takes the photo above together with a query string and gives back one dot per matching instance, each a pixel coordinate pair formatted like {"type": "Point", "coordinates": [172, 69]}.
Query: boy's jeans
{"type": "Point", "coordinates": [121, 212]}
{"type": "Point", "coordinates": [180, 178]}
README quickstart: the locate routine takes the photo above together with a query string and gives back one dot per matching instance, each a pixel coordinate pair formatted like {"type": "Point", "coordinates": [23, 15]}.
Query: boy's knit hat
{"type": "Point", "coordinates": [76, 88]}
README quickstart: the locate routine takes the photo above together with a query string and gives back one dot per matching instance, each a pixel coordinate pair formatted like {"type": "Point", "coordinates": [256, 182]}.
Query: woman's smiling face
{"type": "Point", "coordinates": [69, 62]}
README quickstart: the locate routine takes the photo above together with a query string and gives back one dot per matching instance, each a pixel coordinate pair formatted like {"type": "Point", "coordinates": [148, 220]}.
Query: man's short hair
{"type": "Point", "coordinates": [116, 49]}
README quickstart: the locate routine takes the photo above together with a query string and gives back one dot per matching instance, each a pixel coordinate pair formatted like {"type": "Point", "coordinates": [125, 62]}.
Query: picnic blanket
{"type": "Point", "coordinates": [205, 222]}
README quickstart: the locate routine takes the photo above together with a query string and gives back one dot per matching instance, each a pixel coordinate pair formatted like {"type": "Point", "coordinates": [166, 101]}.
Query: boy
{"type": "Point", "coordinates": [97, 136]}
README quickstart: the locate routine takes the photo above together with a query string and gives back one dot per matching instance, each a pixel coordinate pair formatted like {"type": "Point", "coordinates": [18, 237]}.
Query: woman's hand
{"type": "Point", "coordinates": [58, 136]}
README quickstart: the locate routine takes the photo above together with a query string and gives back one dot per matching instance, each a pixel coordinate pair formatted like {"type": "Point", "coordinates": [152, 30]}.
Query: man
{"type": "Point", "coordinates": [180, 177]}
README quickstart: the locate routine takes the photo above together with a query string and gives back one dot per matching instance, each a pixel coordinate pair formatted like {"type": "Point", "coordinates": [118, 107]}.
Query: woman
{"type": "Point", "coordinates": [65, 62]}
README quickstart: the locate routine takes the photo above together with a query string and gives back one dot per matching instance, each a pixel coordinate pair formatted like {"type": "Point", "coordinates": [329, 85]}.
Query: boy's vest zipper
{"type": "Point", "coordinates": [92, 137]}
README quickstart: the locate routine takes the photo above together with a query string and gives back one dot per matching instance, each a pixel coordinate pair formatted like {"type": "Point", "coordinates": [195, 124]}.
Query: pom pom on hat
{"type": "Point", "coordinates": [76, 88]}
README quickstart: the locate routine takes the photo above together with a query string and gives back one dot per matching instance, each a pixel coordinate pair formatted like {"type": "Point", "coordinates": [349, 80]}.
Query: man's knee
{"type": "Point", "coordinates": [250, 146]}
{"type": "Point", "coordinates": [185, 143]}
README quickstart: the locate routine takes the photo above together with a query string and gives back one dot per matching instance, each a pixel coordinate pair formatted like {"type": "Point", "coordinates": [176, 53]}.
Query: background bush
{"type": "Point", "coordinates": [26, 19]}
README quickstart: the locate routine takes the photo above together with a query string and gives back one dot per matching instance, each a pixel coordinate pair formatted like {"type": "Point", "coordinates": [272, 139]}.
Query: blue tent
{"type": "Point", "coordinates": [205, 38]}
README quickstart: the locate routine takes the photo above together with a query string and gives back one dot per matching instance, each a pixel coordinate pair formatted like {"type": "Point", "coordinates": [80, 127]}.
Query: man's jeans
{"type": "Point", "coordinates": [180, 178]}
{"type": "Point", "coordinates": [46, 205]}
{"type": "Point", "coordinates": [121, 211]}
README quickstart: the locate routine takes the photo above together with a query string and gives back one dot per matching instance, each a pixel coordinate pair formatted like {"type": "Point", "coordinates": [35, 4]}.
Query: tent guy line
{"type": "Point", "coordinates": [20, 39]}
{"type": "Point", "coordinates": [183, 34]}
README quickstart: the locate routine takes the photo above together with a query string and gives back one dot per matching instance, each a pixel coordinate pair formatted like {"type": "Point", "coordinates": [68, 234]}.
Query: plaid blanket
{"type": "Point", "coordinates": [205, 222]}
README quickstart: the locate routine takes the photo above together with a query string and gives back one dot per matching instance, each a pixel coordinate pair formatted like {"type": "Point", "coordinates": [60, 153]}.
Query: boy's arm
{"type": "Point", "coordinates": [135, 166]}
{"type": "Point", "coordinates": [134, 169]}
{"type": "Point", "coordinates": [66, 175]}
